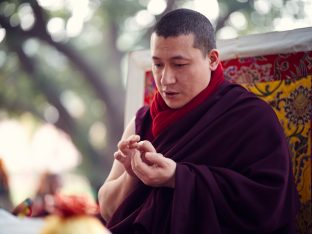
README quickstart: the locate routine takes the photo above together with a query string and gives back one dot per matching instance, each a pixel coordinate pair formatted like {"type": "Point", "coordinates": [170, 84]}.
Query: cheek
{"type": "Point", "coordinates": [157, 81]}
{"type": "Point", "coordinates": [196, 85]}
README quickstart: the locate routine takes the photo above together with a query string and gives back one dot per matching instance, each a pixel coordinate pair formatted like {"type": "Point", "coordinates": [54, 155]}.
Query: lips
{"type": "Point", "coordinates": [170, 93]}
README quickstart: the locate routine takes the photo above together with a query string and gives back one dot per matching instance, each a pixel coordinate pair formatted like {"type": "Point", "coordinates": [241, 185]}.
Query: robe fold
{"type": "Point", "coordinates": [233, 172]}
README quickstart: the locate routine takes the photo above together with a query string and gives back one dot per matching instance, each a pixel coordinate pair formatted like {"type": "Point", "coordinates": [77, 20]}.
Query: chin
{"type": "Point", "coordinates": [173, 105]}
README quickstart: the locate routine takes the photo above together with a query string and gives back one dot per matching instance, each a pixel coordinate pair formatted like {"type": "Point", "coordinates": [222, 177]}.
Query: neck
{"type": "Point", "coordinates": [163, 116]}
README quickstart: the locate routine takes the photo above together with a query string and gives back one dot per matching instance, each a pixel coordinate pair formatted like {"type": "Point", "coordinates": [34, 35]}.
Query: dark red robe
{"type": "Point", "coordinates": [233, 173]}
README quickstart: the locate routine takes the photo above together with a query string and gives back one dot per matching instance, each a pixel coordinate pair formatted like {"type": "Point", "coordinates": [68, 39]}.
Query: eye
{"type": "Point", "coordinates": [157, 65]}
{"type": "Point", "coordinates": [180, 64]}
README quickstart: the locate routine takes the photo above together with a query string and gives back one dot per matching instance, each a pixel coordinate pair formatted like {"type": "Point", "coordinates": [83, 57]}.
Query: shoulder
{"type": "Point", "coordinates": [242, 97]}
{"type": "Point", "coordinates": [240, 102]}
{"type": "Point", "coordinates": [142, 112]}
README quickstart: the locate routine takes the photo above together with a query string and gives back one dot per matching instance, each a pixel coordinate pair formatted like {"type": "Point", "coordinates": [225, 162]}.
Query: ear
{"type": "Point", "coordinates": [214, 59]}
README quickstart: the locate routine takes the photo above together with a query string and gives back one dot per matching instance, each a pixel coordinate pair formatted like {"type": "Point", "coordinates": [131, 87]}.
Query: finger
{"type": "Point", "coordinates": [136, 160]}
{"type": "Point", "coordinates": [133, 141]}
{"type": "Point", "coordinates": [155, 159]}
{"type": "Point", "coordinates": [119, 156]}
{"type": "Point", "coordinates": [146, 146]}
{"type": "Point", "coordinates": [144, 172]}
{"type": "Point", "coordinates": [130, 141]}
{"type": "Point", "coordinates": [133, 138]}
{"type": "Point", "coordinates": [138, 165]}
{"type": "Point", "coordinates": [122, 144]}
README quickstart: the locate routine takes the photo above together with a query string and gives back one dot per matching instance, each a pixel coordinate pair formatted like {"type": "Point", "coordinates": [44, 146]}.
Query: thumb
{"type": "Point", "coordinates": [155, 159]}
{"type": "Point", "coordinates": [146, 146]}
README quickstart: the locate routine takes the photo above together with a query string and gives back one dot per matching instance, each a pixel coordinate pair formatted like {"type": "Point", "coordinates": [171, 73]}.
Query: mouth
{"type": "Point", "coordinates": [170, 93]}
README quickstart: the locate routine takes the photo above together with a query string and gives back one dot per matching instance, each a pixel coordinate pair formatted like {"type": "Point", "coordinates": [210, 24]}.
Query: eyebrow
{"type": "Point", "coordinates": [177, 57]}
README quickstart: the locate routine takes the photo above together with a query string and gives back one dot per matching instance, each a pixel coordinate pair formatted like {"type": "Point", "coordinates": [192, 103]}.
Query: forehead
{"type": "Point", "coordinates": [172, 46]}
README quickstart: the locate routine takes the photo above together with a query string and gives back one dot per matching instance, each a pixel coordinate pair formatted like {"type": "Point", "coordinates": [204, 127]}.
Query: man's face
{"type": "Point", "coordinates": [180, 70]}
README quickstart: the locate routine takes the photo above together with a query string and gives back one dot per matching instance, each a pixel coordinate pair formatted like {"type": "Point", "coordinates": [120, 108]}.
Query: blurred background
{"type": "Point", "coordinates": [63, 66]}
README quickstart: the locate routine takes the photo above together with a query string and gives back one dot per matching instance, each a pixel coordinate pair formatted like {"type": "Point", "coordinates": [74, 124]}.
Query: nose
{"type": "Point", "coordinates": [167, 76]}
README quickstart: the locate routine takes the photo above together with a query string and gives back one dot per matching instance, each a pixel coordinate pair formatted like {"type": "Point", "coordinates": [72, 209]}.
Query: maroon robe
{"type": "Point", "coordinates": [233, 173]}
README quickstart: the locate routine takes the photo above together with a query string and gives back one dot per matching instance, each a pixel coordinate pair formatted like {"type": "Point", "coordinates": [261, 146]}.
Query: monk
{"type": "Point", "coordinates": [207, 156]}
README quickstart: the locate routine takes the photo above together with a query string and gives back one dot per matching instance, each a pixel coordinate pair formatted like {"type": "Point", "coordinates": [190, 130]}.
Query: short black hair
{"type": "Point", "coordinates": [184, 22]}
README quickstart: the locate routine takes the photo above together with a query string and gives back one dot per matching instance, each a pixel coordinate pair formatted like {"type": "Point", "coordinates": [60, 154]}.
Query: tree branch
{"type": "Point", "coordinates": [113, 105]}
{"type": "Point", "coordinates": [98, 164]}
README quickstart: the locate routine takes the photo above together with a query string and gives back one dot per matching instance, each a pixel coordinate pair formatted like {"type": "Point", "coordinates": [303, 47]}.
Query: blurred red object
{"type": "Point", "coordinates": [66, 206]}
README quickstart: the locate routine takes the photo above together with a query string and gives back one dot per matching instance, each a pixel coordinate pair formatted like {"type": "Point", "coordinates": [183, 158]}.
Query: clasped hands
{"type": "Point", "coordinates": [141, 161]}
